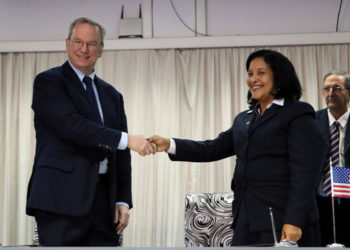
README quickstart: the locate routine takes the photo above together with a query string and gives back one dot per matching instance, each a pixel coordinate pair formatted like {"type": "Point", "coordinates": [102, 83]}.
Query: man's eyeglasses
{"type": "Point", "coordinates": [336, 89]}
{"type": "Point", "coordinates": [77, 44]}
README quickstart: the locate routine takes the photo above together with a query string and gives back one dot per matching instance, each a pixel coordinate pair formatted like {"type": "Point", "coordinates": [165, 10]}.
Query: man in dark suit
{"type": "Point", "coordinates": [80, 188]}
{"type": "Point", "coordinates": [336, 92]}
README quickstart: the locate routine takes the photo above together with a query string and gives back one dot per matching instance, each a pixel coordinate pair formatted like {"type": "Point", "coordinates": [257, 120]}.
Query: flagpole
{"type": "Point", "coordinates": [333, 216]}
{"type": "Point", "coordinates": [333, 210]}
{"type": "Point", "coordinates": [334, 244]}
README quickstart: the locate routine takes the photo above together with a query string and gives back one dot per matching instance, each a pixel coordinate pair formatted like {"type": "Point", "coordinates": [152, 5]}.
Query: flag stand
{"type": "Point", "coordinates": [334, 244]}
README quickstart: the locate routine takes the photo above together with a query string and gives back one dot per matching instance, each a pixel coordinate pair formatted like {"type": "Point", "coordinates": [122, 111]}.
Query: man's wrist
{"type": "Point", "coordinates": [124, 140]}
{"type": "Point", "coordinates": [122, 203]}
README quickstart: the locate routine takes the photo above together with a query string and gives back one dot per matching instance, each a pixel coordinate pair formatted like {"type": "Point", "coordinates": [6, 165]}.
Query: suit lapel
{"type": "Point", "coordinates": [324, 126]}
{"type": "Point", "coordinates": [105, 101]}
{"type": "Point", "coordinates": [78, 94]}
{"type": "Point", "coordinates": [268, 114]}
{"type": "Point", "coordinates": [347, 138]}
{"type": "Point", "coordinates": [240, 132]}
{"type": "Point", "coordinates": [72, 77]}
{"type": "Point", "coordinates": [249, 118]}
{"type": "Point", "coordinates": [77, 91]}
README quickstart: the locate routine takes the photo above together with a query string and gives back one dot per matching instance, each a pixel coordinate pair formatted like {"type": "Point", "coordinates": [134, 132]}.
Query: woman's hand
{"type": "Point", "coordinates": [291, 232]}
{"type": "Point", "coordinates": [162, 143]}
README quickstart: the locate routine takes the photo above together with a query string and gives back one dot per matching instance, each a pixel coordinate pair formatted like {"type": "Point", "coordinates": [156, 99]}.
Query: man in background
{"type": "Point", "coordinates": [334, 125]}
{"type": "Point", "coordinates": [80, 188]}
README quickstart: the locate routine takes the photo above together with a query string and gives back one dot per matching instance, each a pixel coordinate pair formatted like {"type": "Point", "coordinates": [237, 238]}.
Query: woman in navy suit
{"type": "Point", "coordinates": [279, 154]}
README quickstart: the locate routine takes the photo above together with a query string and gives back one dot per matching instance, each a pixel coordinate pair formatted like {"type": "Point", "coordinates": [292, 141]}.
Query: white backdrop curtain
{"type": "Point", "coordinates": [192, 93]}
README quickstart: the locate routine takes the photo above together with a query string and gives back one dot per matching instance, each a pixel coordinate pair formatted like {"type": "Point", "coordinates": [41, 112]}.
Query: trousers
{"type": "Point", "coordinates": [95, 229]}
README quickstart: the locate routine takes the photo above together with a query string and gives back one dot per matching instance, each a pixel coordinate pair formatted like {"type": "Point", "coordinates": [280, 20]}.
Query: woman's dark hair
{"type": "Point", "coordinates": [286, 81]}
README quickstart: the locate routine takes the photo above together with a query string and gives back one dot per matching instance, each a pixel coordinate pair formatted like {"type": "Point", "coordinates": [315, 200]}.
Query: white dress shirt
{"type": "Point", "coordinates": [342, 129]}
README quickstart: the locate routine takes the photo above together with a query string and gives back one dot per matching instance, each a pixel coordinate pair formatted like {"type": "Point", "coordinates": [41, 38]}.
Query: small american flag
{"type": "Point", "coordinates": [341, 182]}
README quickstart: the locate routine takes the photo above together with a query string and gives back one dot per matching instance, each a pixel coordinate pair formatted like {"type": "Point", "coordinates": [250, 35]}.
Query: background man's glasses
{"type": "Point", "coordinates": [336, 89]}
{"type": "Point", "coordinates": [77, 44]}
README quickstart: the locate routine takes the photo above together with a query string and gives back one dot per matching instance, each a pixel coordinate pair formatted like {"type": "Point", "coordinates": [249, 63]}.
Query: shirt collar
{"type": "Point", "coordinates": [279, 102]}
{"type": "Point", "coordinates": [342, 120]}
{"type": "Point", "coordinates": [81, 74]}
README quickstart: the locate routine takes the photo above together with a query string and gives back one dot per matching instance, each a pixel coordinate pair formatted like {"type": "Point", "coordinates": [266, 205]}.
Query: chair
{"type": "Point", "coordinates": [208, 219]}
{"type": "Point", "coordinates": [35, 235]}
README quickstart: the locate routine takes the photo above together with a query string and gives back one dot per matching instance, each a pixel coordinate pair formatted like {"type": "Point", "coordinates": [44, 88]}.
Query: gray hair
{"type": "Point", "coordinates": [79, 20]}
{"type": "Point", "coordinates": [340, 73]}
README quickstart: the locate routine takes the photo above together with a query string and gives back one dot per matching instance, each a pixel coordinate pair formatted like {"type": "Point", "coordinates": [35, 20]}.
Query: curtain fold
{"type": "Point", "coordinates": [190, 93]}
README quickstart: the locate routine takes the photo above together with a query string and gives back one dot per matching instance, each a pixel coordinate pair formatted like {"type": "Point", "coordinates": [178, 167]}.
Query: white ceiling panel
{"type": "Point", "coordinates": [28, 20]}
{"type": "Point", "coordinates": [247, 17]}
{"type": "Point", "coordinates": [344, 17]}
{"type": "Point", "coordinates": [49, 19]}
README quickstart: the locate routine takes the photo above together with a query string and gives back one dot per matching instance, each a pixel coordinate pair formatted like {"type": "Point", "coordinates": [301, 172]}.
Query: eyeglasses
{"type": "Point", "coordinates": [336, 89]}
{"type": "Point", "coordinates": [77, 44]}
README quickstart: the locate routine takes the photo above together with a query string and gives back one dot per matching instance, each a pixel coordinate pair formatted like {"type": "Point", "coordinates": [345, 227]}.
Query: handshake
{"type": "Point", "coordinates": [147, 146]}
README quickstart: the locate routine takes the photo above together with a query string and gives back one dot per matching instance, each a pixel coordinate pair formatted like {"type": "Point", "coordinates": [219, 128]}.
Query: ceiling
{"type": "Point", "coordinates": [41, 20]}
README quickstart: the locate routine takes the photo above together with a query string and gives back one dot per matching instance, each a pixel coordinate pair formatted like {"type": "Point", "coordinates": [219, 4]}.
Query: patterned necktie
{"type": "Point", "coordinates": [92, 98]}
{"type": "Point", "coordinates": [333, 157]}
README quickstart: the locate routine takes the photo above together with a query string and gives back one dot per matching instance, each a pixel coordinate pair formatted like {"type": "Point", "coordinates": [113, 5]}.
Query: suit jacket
{"type": "Point", "coordinates": [70, 145]}
{"type": "Point", "coordinates": [323, 124]}
{"type": "Point", "coordinates": [278, 160]}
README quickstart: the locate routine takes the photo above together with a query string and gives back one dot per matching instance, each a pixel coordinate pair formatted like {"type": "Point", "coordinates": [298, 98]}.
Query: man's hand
{"type": "Point", "coordinates": [121, 218]}
{"type": "Point", "coordinates": [162, 143]}
{"type": "Point", "coordinates": [291, 232]}
{"type": "Point", "coordinates": [141, 145]}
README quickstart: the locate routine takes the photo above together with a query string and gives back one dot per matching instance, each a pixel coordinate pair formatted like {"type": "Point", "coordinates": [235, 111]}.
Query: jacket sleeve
{"type": "Point", "coordinates": [307, 152]}
{"type": "Point", "coordinates": [124, 177]}
{"type": "Point", "coordinates": [205, 151]}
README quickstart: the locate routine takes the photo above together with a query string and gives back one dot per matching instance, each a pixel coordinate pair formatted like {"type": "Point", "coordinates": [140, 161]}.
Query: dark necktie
{"type": "Point", "coordinates": [333, 157]}
{"type": "Point", "coordinates": [92, 98]}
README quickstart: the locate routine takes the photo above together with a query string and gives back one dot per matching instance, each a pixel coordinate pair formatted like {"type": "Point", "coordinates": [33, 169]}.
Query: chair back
{"type": "Point", "coordinates": [208, 219]}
